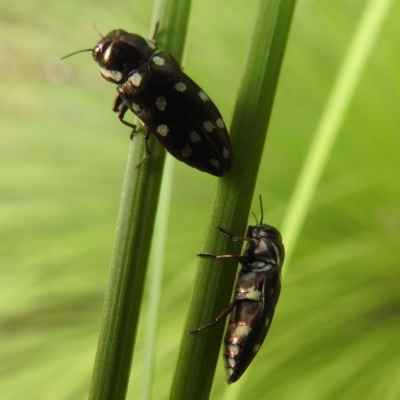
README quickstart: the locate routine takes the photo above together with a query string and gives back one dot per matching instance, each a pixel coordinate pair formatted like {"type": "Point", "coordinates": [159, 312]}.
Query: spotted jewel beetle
{"type": "Point", "coordinates": [173, 108]}
{"type": "Point", "coordinates": [256, 294]}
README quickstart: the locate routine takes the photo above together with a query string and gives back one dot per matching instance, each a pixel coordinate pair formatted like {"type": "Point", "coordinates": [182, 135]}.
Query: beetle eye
{"type": "Point", "coordinates": [96, 52]}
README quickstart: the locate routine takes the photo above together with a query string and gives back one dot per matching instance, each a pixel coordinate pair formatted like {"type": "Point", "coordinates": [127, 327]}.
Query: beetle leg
{"type": "Point", "coordinates": [121, 108]}
{"type": "Point", "coordinates": [221, 316]}
{"type": "Point", "coordinates": [234, 238]}
{"type": "Point", "coordinates": [146, 144]}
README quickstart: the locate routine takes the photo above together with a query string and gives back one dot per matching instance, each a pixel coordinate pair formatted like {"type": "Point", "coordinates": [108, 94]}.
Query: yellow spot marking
{"type": "Point", "coordinates": [162, 130]}
{"type": "Point", "coordinates": [242, 330]}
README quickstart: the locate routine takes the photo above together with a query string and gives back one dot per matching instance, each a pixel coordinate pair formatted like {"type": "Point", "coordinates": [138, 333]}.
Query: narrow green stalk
{"type": "Point", "coordinates": [156, 268]}
{"type": "Point", "coordinates": [325, 136]}
{"type": "Point", "coordinates": [133, 239]}
{"type": "Point", "coordinates": [127, 274]}
{"type": "Point", "coordinates": [331, 120]}
{"type": "Point", "coordinates": [232, 200]}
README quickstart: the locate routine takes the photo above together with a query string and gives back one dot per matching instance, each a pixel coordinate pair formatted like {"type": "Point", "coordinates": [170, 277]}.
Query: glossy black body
{"type": "Point", "coordinates": [256, 294]}
{"type": "Point", "coordinates": [172, 107]}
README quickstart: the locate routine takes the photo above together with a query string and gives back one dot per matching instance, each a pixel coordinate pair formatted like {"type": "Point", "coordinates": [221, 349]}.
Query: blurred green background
{"type": "Point", "coordinates": [336, 332]}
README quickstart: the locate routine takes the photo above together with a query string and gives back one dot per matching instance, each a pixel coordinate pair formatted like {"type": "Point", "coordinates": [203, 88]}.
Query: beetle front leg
{"type": "Point", "coordinates": [121, 108]}
{"type": "Point", "coordinates": [233, 238]}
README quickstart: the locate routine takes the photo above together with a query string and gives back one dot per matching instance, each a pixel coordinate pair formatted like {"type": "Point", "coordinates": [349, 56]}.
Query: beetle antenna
{"type": "Point", "coordinates": [76, 52]}
{"type": "Point", "coordinates": [262, 211]}
{"type": "Point", "coordinates": [255, 217]}
{"type": "Point", "coordinates": [97, 30]}
{"type": "Point", "coordinates": [155, 31]}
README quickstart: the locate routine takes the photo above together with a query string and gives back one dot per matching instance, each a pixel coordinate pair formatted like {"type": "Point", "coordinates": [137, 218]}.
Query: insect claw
{"type": "Point", "coordinates": [206, 255]}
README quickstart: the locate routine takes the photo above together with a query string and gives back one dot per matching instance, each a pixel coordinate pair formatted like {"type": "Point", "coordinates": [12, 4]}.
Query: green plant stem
{"type": "Point", "coordinates": [156, 268]}
{"type": "Point", "coordinates": [325, 136]}
{"type": "Point", "coordinates": [232, 200]}
{"type": "Point", "coordinates": [133, 239]}
{"type": "Point", "coordinates": [331, 120]}
{"type": "Point", "coordinates": [127, 274]}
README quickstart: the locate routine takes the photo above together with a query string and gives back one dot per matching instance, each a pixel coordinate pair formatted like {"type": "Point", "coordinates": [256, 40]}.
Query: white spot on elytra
{"type": "Point", "coordinates": [203, 96]}
{"type": "Point", "coordinates": [242, 330]}
{"type": "Point", "coordinates": [229, 373]}
{"type": "Point", "coordinates": [162, 130]}
{"type": "Point", "coordinates": [180, 87]}
{"type": "Point", "coordinates": [267, 321]}
{"type": "Point", "coordinates": [256, 348]}
{"type": "Point", "coordinates": [234, 349]}
{"type": "Point", "coordinates": [220, 123]}
{"type": "Point", "coordinates": [159, 61]}
{"type": "Point", "coordinates": [187, 151]}
{"type": "Point", "coordinates": [208, 126]}
{"type": "Point", "coordinates": [136, 79]}
{"type": "Point", "coordinates": [135, 107]}
{"type": "Point", "coordinates": [225, 153]}
{"type": "Point", "coordinates": [231, 362]}
{"type": "Point", "coordinates": [116, 76]}
{"type": "Point", "coordinates": [253, 294]}
{"type": "Point", "coordinates": [215, 163]}
{"type": "Point", "coordinates": [151, 44]}
{"type": "Point", "coordinates": [195, 137]}
{"type": "Point", "coordinates": [161, 103]}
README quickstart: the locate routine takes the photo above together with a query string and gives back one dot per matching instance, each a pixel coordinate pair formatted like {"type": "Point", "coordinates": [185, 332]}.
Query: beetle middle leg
{"type": "Point", "coordinates": [229, 308]}
{"type": "Point", "coordinates": [241, 259]}
{"type": "Point", "coordinates": [146, 144]}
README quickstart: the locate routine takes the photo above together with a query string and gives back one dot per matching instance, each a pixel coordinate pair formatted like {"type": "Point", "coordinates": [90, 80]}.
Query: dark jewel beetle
{"type": "Point", "coordinates": [172, 107]}
{"type": "Point", "coordinates": [256, 294]}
